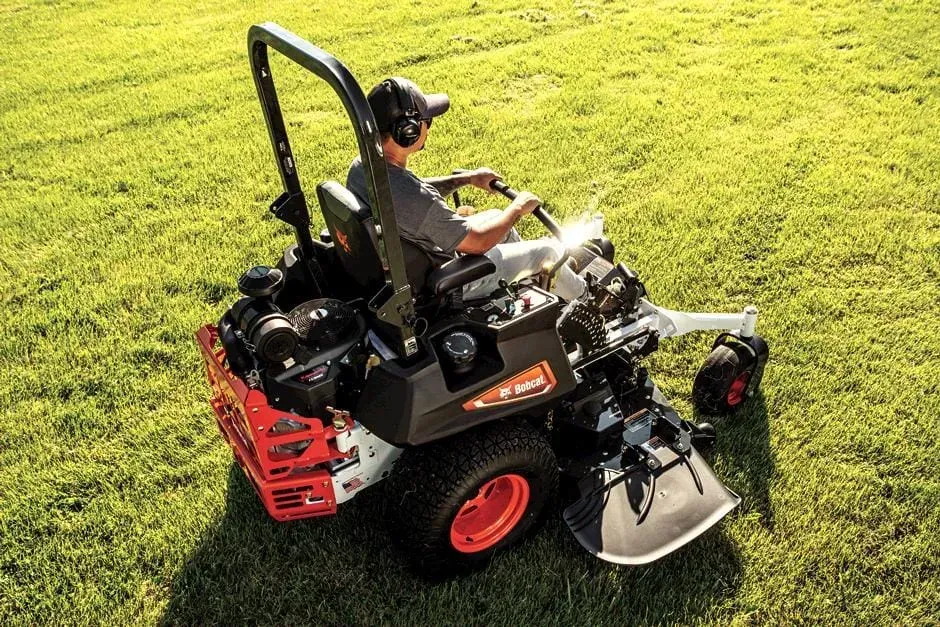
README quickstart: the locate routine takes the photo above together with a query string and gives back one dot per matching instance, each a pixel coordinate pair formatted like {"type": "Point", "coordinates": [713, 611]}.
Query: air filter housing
{"type": "Point", "coordinates": [266, 328]}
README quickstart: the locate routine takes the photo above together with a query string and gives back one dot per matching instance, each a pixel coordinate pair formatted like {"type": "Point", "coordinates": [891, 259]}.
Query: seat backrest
{"type": "Point", "coordinates": [354, 236]}
{"type": "Point", "coordinates": [355, 240]}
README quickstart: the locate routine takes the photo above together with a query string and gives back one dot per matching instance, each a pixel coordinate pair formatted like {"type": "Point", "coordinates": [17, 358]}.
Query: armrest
{"type": "Point", "coordinates": [459, 272]}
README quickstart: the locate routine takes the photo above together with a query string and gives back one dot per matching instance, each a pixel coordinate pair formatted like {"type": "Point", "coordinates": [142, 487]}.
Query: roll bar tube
{"type": "Point", "coordinates": [393, 305]}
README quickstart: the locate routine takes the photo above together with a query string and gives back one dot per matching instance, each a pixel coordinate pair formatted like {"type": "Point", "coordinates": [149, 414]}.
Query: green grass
{"type": "Point", "coordinates": [775, 153]}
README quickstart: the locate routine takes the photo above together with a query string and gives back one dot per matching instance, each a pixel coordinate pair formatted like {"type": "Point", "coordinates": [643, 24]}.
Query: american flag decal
{"type": "Point", "coordinates": [353, 484]}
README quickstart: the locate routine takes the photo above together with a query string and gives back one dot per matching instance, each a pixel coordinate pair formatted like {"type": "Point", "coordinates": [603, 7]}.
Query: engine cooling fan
{"type": "Point", "coordinates": [321, 321]}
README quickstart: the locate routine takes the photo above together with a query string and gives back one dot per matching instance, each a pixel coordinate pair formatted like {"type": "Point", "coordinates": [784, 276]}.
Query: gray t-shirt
{"type": "Point", "coordinates": [422, 215]}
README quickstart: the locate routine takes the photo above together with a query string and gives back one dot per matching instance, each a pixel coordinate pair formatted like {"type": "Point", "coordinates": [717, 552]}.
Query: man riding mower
{"type": "Point", "coordinates": [403, 116]}
{"type": "Point", "coordinates": [484, 399]}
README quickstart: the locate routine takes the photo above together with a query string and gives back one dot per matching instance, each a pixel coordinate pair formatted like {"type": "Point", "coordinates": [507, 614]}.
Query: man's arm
{"type": "Point", "coordinates": [447, 185]}
{"type": "Point", "coordinates": [483, 237]}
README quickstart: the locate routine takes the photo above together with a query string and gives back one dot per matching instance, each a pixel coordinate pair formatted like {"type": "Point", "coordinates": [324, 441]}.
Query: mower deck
{"type": "Point", "coordinates": [652, 493]}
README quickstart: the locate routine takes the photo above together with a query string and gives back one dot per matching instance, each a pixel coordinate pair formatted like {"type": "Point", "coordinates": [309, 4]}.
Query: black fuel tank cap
{"type": "Point", "coordinates": [260, 281]}
{"type": "Point", "coordinates": [460, 348]}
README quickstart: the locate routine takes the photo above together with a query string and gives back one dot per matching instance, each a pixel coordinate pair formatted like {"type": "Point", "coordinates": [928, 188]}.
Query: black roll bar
{"type": "Point", "coordinates": [393, 305]}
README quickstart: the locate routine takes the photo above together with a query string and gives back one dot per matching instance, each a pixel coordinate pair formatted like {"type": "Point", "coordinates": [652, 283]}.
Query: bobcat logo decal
{"type": "Point", "coordinates": [343, 240]}
{"type": "Point", "coordinates": [538, 380]}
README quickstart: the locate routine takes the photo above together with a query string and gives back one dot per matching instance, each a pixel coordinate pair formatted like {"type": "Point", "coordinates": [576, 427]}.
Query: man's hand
{"type": "Point", "coordinates": [482, 177]}
{"type": "Point", "coordinates": [525, 203]}
{"type": "Point", "coordinates": [466, 210]}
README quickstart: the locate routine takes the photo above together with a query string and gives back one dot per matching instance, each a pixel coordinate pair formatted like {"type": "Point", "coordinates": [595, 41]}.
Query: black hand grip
{"type": "Point", "coordinates": [539, 213]}
{"type": "Point", "coordinates": [504, 189]}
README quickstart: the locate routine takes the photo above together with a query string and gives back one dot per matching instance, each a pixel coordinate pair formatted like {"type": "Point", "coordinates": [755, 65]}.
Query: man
{"type": "Point", "coordinates": [404, 115]}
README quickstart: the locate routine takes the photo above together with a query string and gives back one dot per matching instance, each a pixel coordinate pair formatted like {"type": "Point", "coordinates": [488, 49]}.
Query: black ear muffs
{"type": "Point", "coordinates": [406, 129]}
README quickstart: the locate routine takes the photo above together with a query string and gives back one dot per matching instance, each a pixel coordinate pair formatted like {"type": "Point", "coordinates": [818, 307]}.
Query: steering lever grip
{"type": "Point", "coordinates": [503, 189]}
{"type": "Point", "coordinates": [539, 213]}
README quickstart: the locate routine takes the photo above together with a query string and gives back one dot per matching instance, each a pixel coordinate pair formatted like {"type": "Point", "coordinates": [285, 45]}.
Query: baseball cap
{"type": "Point", "coordinates": [384, 101]}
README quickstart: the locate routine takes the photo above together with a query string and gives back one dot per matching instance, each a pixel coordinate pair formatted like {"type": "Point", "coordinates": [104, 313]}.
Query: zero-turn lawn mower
{"type": "Point", "coordinates": [355, 360]}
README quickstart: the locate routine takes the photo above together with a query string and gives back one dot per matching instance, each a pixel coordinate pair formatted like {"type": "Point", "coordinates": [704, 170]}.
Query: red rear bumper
{"type": "Point", "coordinates": [291, 487]}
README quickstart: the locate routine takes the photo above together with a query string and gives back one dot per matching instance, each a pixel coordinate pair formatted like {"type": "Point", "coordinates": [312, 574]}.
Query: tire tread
{"type": "Point", "coordinates": [428, 479]}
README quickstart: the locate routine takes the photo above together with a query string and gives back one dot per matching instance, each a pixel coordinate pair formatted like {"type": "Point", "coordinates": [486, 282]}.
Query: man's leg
{"type": "Point", "coordinates": [568, 284]}
{"type": "Point", "coordinates": [517, 260]}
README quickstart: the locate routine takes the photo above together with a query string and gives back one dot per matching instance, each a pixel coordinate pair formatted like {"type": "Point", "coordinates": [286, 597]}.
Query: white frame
{"type": "Point", "coordinates": [671, 323]}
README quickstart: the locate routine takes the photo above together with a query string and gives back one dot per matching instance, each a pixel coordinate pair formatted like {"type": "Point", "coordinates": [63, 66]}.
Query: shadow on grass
{"type": "Point", "coordinates": [345, 570]}
{"type": "Point", "coordinates": [747, 461]}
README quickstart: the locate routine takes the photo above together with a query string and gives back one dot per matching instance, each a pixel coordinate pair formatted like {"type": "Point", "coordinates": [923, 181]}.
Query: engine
{"type": "Point", "coordinates": [282, 385]}
{"type": "Point", "coordinates": [304, 360]}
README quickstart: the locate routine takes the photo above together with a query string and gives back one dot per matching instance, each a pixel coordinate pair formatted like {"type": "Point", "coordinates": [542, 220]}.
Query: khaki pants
{"type": "Point", "coordinates": [516, 259]}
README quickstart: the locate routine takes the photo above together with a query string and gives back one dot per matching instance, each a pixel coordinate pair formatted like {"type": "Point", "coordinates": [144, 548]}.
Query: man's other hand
{"type": "Point", "coordinates": [525, 203]}
{"type": "Point", "coordinates": [466, 210]}
{"type": "Point", "coordinates": [482, 177]}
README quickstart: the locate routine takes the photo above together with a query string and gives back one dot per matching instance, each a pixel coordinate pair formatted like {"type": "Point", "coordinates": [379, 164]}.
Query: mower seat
{"type": "Point", "coordinates": [355, 240]}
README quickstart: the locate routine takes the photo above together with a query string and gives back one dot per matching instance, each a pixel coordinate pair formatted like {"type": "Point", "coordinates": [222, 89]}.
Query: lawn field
{"type": "Point", "coordinates": [775, 153]}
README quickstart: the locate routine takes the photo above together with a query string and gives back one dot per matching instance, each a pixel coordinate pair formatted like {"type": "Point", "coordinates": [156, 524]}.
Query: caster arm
{"type": "Point", "coordinates": [674, 323]}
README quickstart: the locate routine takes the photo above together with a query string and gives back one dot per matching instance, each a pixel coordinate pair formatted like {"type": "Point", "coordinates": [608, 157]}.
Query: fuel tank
{"type": "Point", "coordinates": [519, 368]}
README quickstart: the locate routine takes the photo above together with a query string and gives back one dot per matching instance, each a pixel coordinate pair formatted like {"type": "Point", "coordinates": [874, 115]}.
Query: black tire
{"type": "Point", "coordinates": [717, 386]}
{"type": "Point", "coordinates": [433, 482]}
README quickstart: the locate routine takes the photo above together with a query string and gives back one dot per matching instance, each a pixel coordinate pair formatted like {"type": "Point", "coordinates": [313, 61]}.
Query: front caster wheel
{"type": "Point", "coordinates": [730, 375]}
{"type": "Point", "coordinates": [458, 501]}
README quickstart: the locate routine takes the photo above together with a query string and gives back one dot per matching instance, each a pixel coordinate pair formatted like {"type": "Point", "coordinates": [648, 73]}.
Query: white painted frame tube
{"type": "Point", "coordinates": [674, 323]}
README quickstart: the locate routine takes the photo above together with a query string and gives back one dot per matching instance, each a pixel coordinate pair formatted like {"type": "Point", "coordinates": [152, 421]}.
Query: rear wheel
{"type": "Point", "coordinates": [458, 501]}
{"type": "Point", "coordinates": [728, 377]}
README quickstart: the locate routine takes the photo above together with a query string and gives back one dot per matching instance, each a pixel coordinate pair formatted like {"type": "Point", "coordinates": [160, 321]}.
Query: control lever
{"type": "Point", "coordinates": [456, 194]}
{"type": "Point", "coordinates": [511, 296]}
{"type": "Point", "coordinates": [510, 288]}
{"type": "Point", "coordinates": [543, 217]}
{"type": "Point", "coordinates": [539, 213]}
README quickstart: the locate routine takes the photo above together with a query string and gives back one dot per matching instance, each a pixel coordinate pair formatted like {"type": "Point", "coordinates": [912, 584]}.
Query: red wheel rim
{"type": "Point", "coordinates": [736, 392]}
{"type": "Point", "coordinates": [488, 517]}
